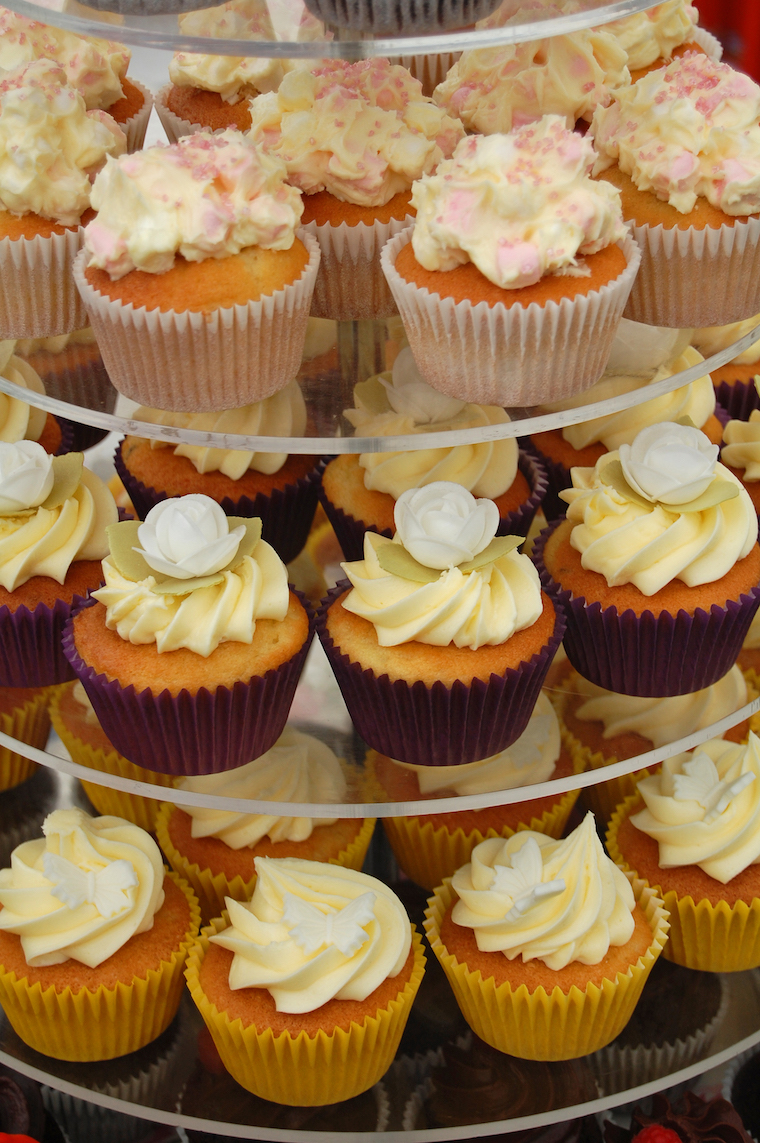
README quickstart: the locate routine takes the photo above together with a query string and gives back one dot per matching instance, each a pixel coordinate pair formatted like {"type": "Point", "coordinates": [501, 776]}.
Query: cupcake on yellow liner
{"type": "Point", "coordinates": [698, 817]}
{"type": "Point", "coordinates": [511, 892]}
{"type": "Point", "coordinates": [23, 716]}
{"type": "Point", "coordinates": [433, 846]}
{"type": "Point", "coordinates": [294, 1032]}
{"type": "Point", "coordinates": [107, 932]}
{"type": "Point", "coordinates": [600, 728]}
{"type": "Point", "coordinates": [77, 726]}
{"type": "Point", "coordinates": [215, 850]}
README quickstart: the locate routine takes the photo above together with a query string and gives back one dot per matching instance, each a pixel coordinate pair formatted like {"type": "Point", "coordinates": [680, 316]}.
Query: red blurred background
{"type": "Point", "coordinates": [736, 23]}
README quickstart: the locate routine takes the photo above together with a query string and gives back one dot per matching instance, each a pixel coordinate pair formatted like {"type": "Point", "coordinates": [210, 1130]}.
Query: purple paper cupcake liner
{"type": "Point", "coordinates": [737, 398]}
{"type": "Point", "coordinates": [649, 655]}
{"type": "Point", "coordinates": [85, 383]}
{"type": "Point", "coordinates": [438, 725]}
{"type": "Point", "coordinates": [557, 478]}
{"type": "Point", "coordinates": [188, 734]}
{"type": "Point", "coordinates": [286, 514]}
{"type": "Point", "coordinates": [31, 654]}
{"type": "Point", "coordinates": [350, 531]}
{"type": "Point", "coordinates": [69, 437]}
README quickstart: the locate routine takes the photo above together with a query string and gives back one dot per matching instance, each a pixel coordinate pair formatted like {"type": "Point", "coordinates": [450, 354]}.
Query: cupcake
{"type": "Point", "coordinates": [734, 382]}
{"type": "Point", "coordinates": [44, 124]}
{"type": "Point", "coordinates": [215, 850]}
{"type": "Point", "coordinates": [656, 565]}
{"type": "Point", "coordinates": [691, 832]}
{"type": "Point", "coordinates": [23, 716]}
{"type": "Point", "coordinates": [279, 488]}
{"type": "Point", "coordinates": [495, 294]}
{"type": "Point", "coordinates": [191, 652]}
{"type": "Point", "coordinates": [390, 17]}
{"type": "Point", "coordinates": [359, 492]}
{"type": "Point", "coordinates": [307, 988]}
{"type": "Point", "coordinates": [20, 421]}
{"type": "Point", "coordinates": [442, 642]}
{"type": "Point", "coordinates": [200, 302]}
{"type": "Point", "coordinates": [690, 1119]}
{"type": "Point", "coordinates": [93, 938]}
{"type": "Point", "coordinates": [353, 137]}
{"type": "Point", "coordinates": [430, 847]}
{"type": "Point", "coordinates": [689, 192]}
{"type": "Point", "coordinates": [22, 1110]}
{"type": "Point", "coordinates": [660, 34]}
{"type": "Point", "coordinates": [545, 943]}
{"type": "Point", "coordinates": [54, 514]}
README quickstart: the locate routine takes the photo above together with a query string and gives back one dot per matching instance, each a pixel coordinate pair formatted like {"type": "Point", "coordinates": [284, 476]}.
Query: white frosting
{"type": "Point", "coordinates": [188, 536]}
{"type": "Point", "coordinates": [26, 476]}
{"type": "Point", "coordinates": [443, 525]}
{"type": "Point", "coordinates": [652, 35]}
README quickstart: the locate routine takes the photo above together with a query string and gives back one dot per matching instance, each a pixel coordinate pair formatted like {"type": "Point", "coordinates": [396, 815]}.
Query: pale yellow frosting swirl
{"type": "Point", "coordinates": [281, 415]}
{"type": "Point", "coordinates": [660, 720]}
{"type": "Point", "coordinates": [703, 808]}
{"type": "Point", "coordinates": [82, 890]}
{"type": "Point", "coordinates": [362, 131]}
{"type": "Point", "coordinates": [19, 421]}
{"type": "Point", "coordinates": [298, 768]}
{"type": "Point", "coordinates": [80, 696]}
{"type": "Point", "coordinates": [554, 901]}
{"type": "Point", "coordinates": [28, 346]}
{"type": "Point", "coordinates": [501, 88]}
{"type": "Point", "coordinates": [652, 35]}
{"type": "Point", "coordinates": [314, 932]}
{"type": "Point", "coordinates": [712, 338]}
{"type": "Point", "coordinates": [469, 609]}
{"type": "Point", "coordinates": [742, 447]}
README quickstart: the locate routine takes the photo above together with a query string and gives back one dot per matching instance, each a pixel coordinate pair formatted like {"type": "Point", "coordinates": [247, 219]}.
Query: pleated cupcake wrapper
{"type": "Point", "coordinates": [31, 653]}
{"type": "Point", "coordinates": [211, 889]}
{"type": "Point", "coordinates": [430, 70]}
{"type": "Point", "coordinates": [109, 1022]}
{"type": "Point", "coordinates": [648, 655]}
{"type": "Point", "coordinates": [286, 513]}
{"type": "Point", "coordinates": [738, 398]}
{"type": "Point", "coordinates": [557, 478]}
{"type": "Point", "coordinates": [350, 284]}
{"type": "Point", "coordinates": [305, 1071]}
{"type": "Point", "coordinates": [506, 355]}
{"type": "Point", "coordinates": [710, 938]}
{"type": "Point", "coordinates": [30, 723]}
{"type": "Point", "coordinates": [537, 1026]}
{"type": "Point", "coordinates": [675, 265]}
{"type": "Point", "coordinates": [38, 296]}
{"type": "Point", "coordinates": [174, 125]}
{"type": "Point", "coordinates": [350, 531]}
{"type": "Point", "coordinates": [88, 1122]}
{"type": "Point", "coordinates": [635, 1065]}
{"type": "Point", "coordinates": [189, 734]}
{"type": "Point", "coordinates": [197, 362]}
{"type": "Point", "coordinates": [136, 127]}
{"type": "Point", "coordinates": [438, 725]}
{"type": "Point", "coordinates": [407, 16]}
{"type": "Point", "coordinates": [709, 43]}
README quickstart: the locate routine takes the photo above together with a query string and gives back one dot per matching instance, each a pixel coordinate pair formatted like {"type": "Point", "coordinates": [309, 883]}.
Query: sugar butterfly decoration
{"type": "Point", "coordinates": [311, 928]}
{"type": "Point", "coordinates": [104, 888]}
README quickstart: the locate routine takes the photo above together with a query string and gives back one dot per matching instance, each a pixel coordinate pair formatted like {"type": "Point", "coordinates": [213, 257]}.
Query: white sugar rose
{"type": "Point", "coordinates": [26, 476]}
{"type": "Point", "coordinates": [670, 463]}
{"type": "Point", "coordinates": [188, 536]}
{"type": "Point", "coordinates": [443, 525]}
{"type": "Point", "coordinates": [410, 394]}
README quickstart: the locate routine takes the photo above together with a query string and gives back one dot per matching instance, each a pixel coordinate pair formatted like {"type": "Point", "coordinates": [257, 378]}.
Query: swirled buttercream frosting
{"type": "Point", "coordinates": [554, 901]}
{"type": "Point", "coordinates": [652, 35]}
{"type": "Point", "coordinates": [50, 144]}
{"type": "Point", "coordinates": [82, 890]}
{"type": "Point", "coordinates": [688, 129]}
{"type": "Point", "coordinates": [298, 768]}
{"type": "Point", "coordinates": [475, 207]}
{"type": "Point", "coordinates": [703, 808]}
{"type": "Point", "coordinates": [281, 415]}
{"type": "Point", "coordinates": [532, 758]}
{"type": "Point", "coordinates": [742, 446]}
{"type": "Point", "coordinates": [227, 194]}
{"type": "Point", "coordinates": [660, 720]}
{"type": "Point", "coordinates": [314, 932]}
{"type": "Point", "coordinates": [401, 403]}
{"type": "Point", "coordinates": [712, 338]}
{"type": "Point", "coordinates": [28, 346]}
{"type": "Point", "coordinates": [690, 1117]}
{"type": "Point", "coordinates": [18, 420]}
{"type": "Point", "coordinates": [498, 89]}
{"type": "Point", "coordinates": [362, 131]}
{"type": "Point", "coordinates": [674, 524]}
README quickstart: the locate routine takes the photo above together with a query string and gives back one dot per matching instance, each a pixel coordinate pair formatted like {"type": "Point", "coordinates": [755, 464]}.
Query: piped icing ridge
{"type": "Point", "coordinates": [298, 768]}
{"type": "Point", "coordinates": [742, 446]}
{"type": "Point", "coordinates": [18, 420]}
{"type": "Point", "coordinates": [82, 890]}
{"type": "Point", "coordinates": [688, 129]}
{"type": "Point", "coordinates": [227, 194]}
{"type": "Point", "coordinates": [554, 901]}
{"type": "Point", "coordinates": [314, 932]}
{"type": "Point", "coordinates": [475, 208]}
{"type": "Point", "coordinates": [702, 808]}
{"type": "Point", "coordinates": [362, 131]}
{"type": "Point", "coordinates": [653, 34]}
{"type": "Point", "coordinates": [711, 339]}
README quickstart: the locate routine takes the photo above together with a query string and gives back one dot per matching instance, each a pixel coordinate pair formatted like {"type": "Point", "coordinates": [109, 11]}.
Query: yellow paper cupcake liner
{"type": "Point", "coordinates": [711, 938]}
{"type": "Point", "coordinates": [211, 889]}
{"type": "Point", "coordinates": [302, 1070]}
{"type": "Point", "coordinates": [85, 1026]}
{"type": "Point", "coordinates": [538, 1026]}
{"type": "Point", "coordinates": [28, 723]}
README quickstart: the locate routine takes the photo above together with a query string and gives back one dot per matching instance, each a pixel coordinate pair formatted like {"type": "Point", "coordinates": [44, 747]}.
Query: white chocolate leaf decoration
{"type": "Point", "coordinates": [313, 929]}
{"type": "Point", "coordinates": [522, 880]}
{"type": "Point", "coordinates": [409, 393]}
{"type": "Point", "coordinates": [398, 561]}
{"type": "Point", "coordinates": [103, 888]}
{"type": "Point", "coordinates": [700, 782]}
{"type": "Point", "coordinates": [669, 463]}
{"type": "Point", "coordinates": [442, 524]}
{"type": "Point", "coordinates": [26, 476]}
{"type": "Point", "coordinates": [187, 537]}
{"type": "Point", "coordinates": [131, 563]}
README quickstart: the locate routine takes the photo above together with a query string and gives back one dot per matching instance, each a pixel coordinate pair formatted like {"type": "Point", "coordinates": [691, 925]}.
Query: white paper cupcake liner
{"type": "Point", "coordinates": [516, 355]}
{"type": "Point", "coordinates": [38, 297]}
{"type": "Point", "coordinates": [197, 362]}
{"type": "Point", "coordinates": [350, 284]}
{"type": "Point", "coordinates": [430, 70]}
{"type": "Point", "coordinates": [174, 125]}
{"type": "Point", "coordinates": [89, 1122]}
{"type": "Point", "coordinates": [696, 277]}
{"type": "Point", "coordinates": [415, 1103]}
{"type": "Point", "coordinates": [708, 43]}
{"type": "Point", "coordinates": [136, 127]}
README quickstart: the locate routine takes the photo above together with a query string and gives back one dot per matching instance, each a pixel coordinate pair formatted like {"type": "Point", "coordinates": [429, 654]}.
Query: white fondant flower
{"type": "Point", "coordinates": [188, 536]}
{"type": "Point", "coordinates": [26, 476]}
{"type": "Point", "coordinates": [411, 395]}
{"type": "Point", "coordinates": [522, 881]}
{"type": "Point", "coordinates": [670, 463]}
{"type": "Point", "coordinates": [442, 524]}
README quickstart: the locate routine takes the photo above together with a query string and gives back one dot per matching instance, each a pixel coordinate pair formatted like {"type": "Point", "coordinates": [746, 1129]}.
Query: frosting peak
{"type": "Point", "coordinates": [652, 35]}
